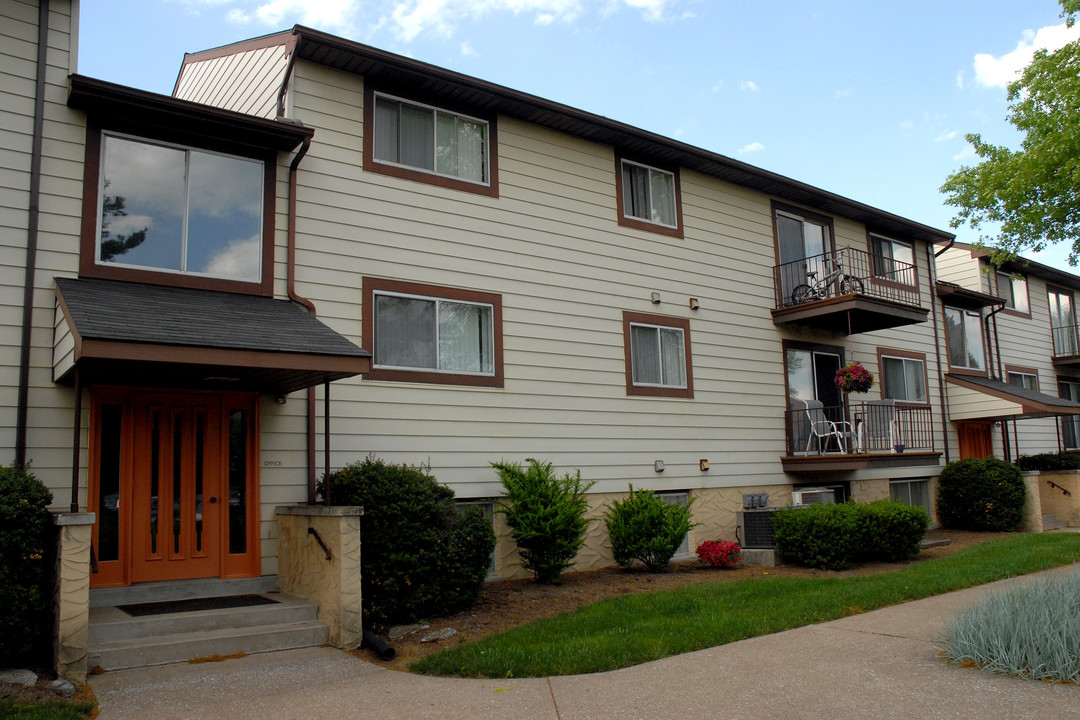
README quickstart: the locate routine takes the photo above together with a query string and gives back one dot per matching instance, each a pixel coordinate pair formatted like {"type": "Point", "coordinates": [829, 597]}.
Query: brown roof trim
{"type": "Point", "coordinates": [349, 56]}
{"type": "Point", "coordinates": [1024, 266]}
{"type": "Point", "coordinates": [961, 297]}
{"type": "Point", "coordinates": [1032, 403]}
{"type": "Point", "coordinates": [108, 100]}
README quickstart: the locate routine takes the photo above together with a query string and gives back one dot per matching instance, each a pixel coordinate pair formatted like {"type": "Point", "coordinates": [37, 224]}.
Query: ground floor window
{"type": "Point", "coordinates": [911, 491]}
{"type": "Point", "coordinates": [680, 498]}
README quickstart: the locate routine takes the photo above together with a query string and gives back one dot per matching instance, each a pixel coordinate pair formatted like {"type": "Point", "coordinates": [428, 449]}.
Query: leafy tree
{"type": "Point", "coordinates": [1032, 194]}
{"type": "Point", "coordinates": [113, 206]}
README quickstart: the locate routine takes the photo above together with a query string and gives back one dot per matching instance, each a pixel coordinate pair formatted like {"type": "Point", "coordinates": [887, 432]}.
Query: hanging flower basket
{"type": "Point", "coordinates": [854, 378]}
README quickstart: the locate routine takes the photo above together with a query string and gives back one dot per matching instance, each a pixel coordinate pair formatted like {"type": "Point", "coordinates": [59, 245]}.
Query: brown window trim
{"type": "Point", "coordinates": [806, 215]}
{"type": "Point", "coordinates": [1008, 310]}
{"type": "Point", "coordinates": [1024, 370]}
{"type": "Point", "coordinates": [914, 263]}
{"type": "Point", "coordinates": [663, 321]}
{"type": "Point", "coordinates": [491, 189]}
{"type": "Point", "coordinates": [372, 285]}
{"type": "Point", "coordinates": [956, 370]}
{"type": "Point", "coordinates": [88, 265]}
{"type": "Point", "coordinates": [921, 357]}
{"type": "Point", "coordinates": [637, 223]}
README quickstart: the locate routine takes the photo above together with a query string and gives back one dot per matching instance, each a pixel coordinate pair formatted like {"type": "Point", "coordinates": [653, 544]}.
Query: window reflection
{"type": "Point", "coordinates": [180, 210]}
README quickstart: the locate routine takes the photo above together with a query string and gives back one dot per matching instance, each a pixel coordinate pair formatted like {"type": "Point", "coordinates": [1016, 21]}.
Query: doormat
{"type": "Point", "coordinates": [195, 604]}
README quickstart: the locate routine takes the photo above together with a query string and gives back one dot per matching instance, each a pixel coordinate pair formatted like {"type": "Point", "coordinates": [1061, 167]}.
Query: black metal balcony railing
{"type": "Point", "coordinates": [1065, 340]}
{"type": "Point", "coordinates": [858, 428]}
{"type": "Point", "coordinates": [844, 272]}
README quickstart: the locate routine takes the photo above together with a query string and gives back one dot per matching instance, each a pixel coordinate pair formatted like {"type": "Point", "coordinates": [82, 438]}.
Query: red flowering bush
{"type": "Point", "coordinates": [719, 553]}
{"type": "Point", "coordinates": [853, 377]}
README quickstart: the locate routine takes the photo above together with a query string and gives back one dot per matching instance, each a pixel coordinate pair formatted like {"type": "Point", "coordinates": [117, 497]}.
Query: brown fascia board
{"type": "Point", "coordinates": [954, 294]}
{"type": "Point", "coordinates": [282, 37]}
{"type": "Point", "coordinates": [109, 100]}
{"type": "Point", "coordinates": [349, 56]}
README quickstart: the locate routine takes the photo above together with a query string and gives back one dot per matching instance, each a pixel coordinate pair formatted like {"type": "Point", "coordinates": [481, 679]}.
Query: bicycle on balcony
{"type": "Point", "coordinates": [822, 289]}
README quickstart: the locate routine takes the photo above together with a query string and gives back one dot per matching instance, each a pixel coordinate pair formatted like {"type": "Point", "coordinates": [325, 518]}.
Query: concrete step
{"type": "Point", "coordinates": [111, 624]}
{"type": "Point", "coordinates": [181, 647]}
{"type": "Point", "coordinates": [181, 590]}
{"type": "Point", "coordinates": [1050, 522]}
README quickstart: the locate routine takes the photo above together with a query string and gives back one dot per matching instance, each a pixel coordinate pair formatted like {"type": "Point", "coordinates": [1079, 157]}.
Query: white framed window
{"type": "Point", "coordinates": [417, 332]}
{"type": "Point", "coordinates": [911, 491]}
{"type": "Point", "coordinates": [903, 378]}
{"type": "Point", "coordinates": [177, 209]}
{"type": "Point", "coordinates": [964, 337]}
{"type": "Point", "coordinates": [894, 260]}
{"type": "Point", "coordinates": [431, 140]}
{"type": "Point", "coordinates": [1014, 290]}
{"type": "Point", "coordinates": [648, 194]}
{"type": "Point", "coordinates": [488, 506]}
{"type": "Point", "coordinates": [680, 498]}
{"type": "Point", "coordinates": [1026, 380]}
{"type": "Point", "coordinates": [658, 358]}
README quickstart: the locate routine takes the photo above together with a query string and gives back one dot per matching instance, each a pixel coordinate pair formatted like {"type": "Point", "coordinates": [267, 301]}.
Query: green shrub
{"type": "Point", "coordinates": [890, 531]}
{"type": "Point", "coordinates": [26, 552]}
{"type": "Point", "coordinates": [834, 537]}
{"type": "Point", "coordinates": [1049, 461]}
{"type": "Point", "coordinates": [1032, 631]}
{"type": "Point", "coordinates": [644, 527]}
{"type": "Point", "coordinates": [421, 557]}
{"type": "Point", "coordinates": [981, 494]}
{"type": "Point", "coordinates": [546, 515]}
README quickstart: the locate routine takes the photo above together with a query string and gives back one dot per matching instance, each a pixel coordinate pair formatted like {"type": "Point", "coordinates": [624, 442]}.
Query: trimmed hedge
{"type": "Point", "coordinates": [644, 527]}
{"type": "Point", "coordinates": [26, 553]}
{"type": "Point", "coordinates": [981, 494]}
{"type": "Point", "coordinates": [1049, 461]}
{"type": "Point", "coordinates": [421, 556]}
{"type": "Point", "coordinates": [834, 537]}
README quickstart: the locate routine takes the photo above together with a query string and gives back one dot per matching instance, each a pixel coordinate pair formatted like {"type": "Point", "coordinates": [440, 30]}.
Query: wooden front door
{"type": "Point", "coordinates": [976, 439]}
{"type": "Point", "coordinates": [174, 483]}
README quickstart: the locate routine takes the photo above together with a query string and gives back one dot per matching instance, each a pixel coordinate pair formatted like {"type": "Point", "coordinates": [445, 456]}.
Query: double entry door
{"type": "Point", "coordinates": [173, 483]}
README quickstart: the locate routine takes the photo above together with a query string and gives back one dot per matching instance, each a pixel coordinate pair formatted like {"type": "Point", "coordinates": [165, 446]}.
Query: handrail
{"type": "Point", "coordinates": [318, 538]}
{"type": "Point", "coordinates": [1055, 485]}
{"type": "Point", "coordinates": [877, 428]}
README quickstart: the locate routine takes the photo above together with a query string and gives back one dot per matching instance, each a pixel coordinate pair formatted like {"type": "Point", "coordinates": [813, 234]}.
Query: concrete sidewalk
{"type": "Point", "coordinates": [882, 664]}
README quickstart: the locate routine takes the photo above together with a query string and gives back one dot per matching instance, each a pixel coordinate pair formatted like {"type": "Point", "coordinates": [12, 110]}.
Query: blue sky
{"type": "Point", "coordinates": [867, 99]}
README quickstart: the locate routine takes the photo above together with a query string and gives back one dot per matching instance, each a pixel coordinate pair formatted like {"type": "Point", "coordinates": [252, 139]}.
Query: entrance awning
{"type": "Point", "coordinates": [121, 333]}
{"type": "Point", "coordinates": [980, 398]}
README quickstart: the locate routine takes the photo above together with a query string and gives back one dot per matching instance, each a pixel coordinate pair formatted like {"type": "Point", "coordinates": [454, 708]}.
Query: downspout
{"type": "Point", "coordinates": [33, 213]}
{"type": "Point", "coordinates": [991, 320]}
{"type": "Point", "coordinates": [932, 269]}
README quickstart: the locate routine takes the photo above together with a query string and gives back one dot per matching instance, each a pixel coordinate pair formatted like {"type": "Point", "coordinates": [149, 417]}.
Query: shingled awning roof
{"type": "Point", "coordinates": [980, 398]}
{"type": "Point", "coordinates": [150, 335]}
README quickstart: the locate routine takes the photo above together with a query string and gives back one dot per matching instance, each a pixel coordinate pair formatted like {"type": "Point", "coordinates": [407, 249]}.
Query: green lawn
{"type": "Point", "coordinates": [649, 626]}
{"type": "Point", "coordinates": [45, 710]}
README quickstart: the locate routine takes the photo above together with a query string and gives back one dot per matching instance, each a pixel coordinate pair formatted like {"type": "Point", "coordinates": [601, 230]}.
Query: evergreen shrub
{"type": "Point", "coordinates": [1049, 461]}
{"type": "Point", "coordinates": [644, 527]}
{"type": "Point", "coordinates": [546, 515]}
{"type": "Point", "coordinates": [981, 494]}
{"type": "Point", "coordinates": [26, 556]}
{"type": "Point", "coordinates": [421, 556]}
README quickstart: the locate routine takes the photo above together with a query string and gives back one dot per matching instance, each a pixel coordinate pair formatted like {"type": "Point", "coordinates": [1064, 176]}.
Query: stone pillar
{"type": "Point", "coordinates": [71, 599]}
{"type": "Point", "coordinates": [305, 571]}
{"type": "Point", "coordinates": [1032, 520]}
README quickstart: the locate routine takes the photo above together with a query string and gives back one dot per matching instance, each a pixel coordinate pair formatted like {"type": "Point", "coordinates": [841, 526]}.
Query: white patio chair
{"type": "Point", "coordinates": [879, 425]}
{"type": "Point", "coordinates": [822, 428]}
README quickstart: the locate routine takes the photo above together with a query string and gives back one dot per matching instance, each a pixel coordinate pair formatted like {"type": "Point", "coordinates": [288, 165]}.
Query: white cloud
{"type": "Point", "coordinates": [718, 86]}
{"type": "Point", "coordinates": [323, 14]}
{"type": "Point", "coordinates": [749, 85]}
{"type": "Point", "coordinates": [907, 125]}
{"type": "Point", "coordinates": [846, 92]}
{"type": "Point", "coordinates": [238, 259]}
{"type": "Point", "coordinates": [544, 19]}
{"type": "Point", "coordinates": [651, 10]}
{"type": "Point", "coordinates": [960, 79]}
{"type": "Point", "coordinates": [412, 17]}
{"type": "Point", "coordinates": [964, 154]}
{"type": "Point", "coordinates": [751, 148]}
{"type": "Point", "coordinates": [993, 71]}
{"type": "Point", "coordinates": [467, 50]}
{"type": "Point", "coordinates": [946, 135]}
{"type": "Point", "coordinates": [236, 16]}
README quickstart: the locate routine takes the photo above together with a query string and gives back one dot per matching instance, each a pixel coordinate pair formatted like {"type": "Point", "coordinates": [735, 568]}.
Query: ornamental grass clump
{"type": "Point", "coordinates": [1032, 631]}
{"type": "Point", "coordinates": [645, 527]}
{"type": "Point", "coordinates": [546, 515]}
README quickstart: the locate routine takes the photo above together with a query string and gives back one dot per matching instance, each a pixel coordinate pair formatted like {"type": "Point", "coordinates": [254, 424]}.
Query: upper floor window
{"type": "Point", "coordinates": [903, 378]}
{"type": "Point", "coordinates": [1014, 290]}
{"type": "Point", "coordinates": [430, 140]}
{"type": "Point", "coordinates": [425, 333]}
{"type": "Point", "coordinates": [648, 197]}
{"type": "Point", "coordinates": [1063, 323]}
{"type": "Point", "coordinates": [1028, 380]}
{"type": "Point", "coordinates": [175, 209]}
{"type": "Point", "coordinates": [657, 355]}
{"type": "Point", "coordinates": [964, 338]}
{"type": "Point", "coordinates": [893, 259]}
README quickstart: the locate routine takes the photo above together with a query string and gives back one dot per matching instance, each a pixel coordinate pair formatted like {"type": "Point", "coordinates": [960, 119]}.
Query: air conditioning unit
{"type": "Point", "coordinates": [813, 496]}
{"type": "Point", "coordinates": [755, 527]}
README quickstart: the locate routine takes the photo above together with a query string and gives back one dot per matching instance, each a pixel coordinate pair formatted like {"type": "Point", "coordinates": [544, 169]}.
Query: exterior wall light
{"type": "Point", "coordinates": [658, 466]}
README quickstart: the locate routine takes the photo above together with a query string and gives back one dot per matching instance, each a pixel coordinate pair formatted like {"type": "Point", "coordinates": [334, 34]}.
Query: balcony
{"type": "Point", "coordinates": [1066, 347]}
{"type": "Point", "coordinates": [858, 436]}
{"type": "Point", "coordinates": [848, 291]}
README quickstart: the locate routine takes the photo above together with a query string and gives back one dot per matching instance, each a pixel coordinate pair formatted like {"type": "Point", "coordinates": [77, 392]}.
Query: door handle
{"type": "Point", "coordinates": [213, 500]}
